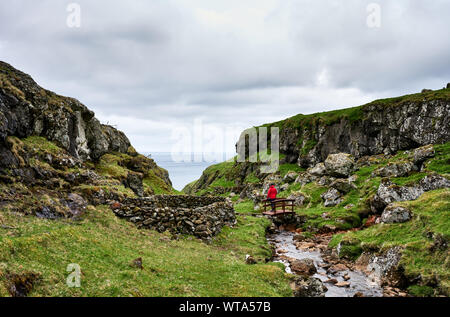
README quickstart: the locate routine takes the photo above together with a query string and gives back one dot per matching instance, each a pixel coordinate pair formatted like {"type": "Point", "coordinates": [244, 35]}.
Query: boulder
{"type": "Point", "coordinates": [399, 169]}
{"type": "Point", "coordinates": [304, 178]}
{"type": "Point", "coordinates": [303, 267]}
{"type": "Point", "coordinates": [331, 198]}
{"type": "Point", "coordinates": [339, 165]}
{"type": "Point", "coordinates": [343, 185]}
{"type": "Point", "coordinates": [76, 203]}
{"type": "Point", "coordinates": [304, 286]}
{"type": "Point", "coordinates": [284, 187]}
{"type": "Point", "coordinates": [298, 197]}
{"type": "Point", "coordinates": [388, 193]}
{"type": "Point", "coordinates": [423, 153]}
{"type": "Point", "coordinates": [290, 177]}
{"type": "Point", "coordinates": [433, 182]}
{"type": "Point", "coordinates": [395, 214]}
{"type": "Point", "coordinates": [134, 181]}
{"type": "Point", "coordinates": [249, 259]}
{"type": "Point", "coordinates": [318, 170]}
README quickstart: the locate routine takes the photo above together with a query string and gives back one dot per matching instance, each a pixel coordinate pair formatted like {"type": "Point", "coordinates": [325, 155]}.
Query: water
{"type": "Point", "coordinates": [182, 173]}
{"type": "Point", "coordinates": [359, 282]}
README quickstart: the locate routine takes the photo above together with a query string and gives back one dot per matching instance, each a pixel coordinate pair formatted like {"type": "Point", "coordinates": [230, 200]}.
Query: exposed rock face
{"type": "Point", "coordinates": [384, 126]}
{"type": "Point", "coordinates": [385, 267]}
{"type": "Point", "coordinates": [203, 217]}
{"type": "Point", "coordinates": [339, 165]}
{"type": "Point", "coordinates": [395, 214]}
{"type": "Point", "coordinates": [27, 109]}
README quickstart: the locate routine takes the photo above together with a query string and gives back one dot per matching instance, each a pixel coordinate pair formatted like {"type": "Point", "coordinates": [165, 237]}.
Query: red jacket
{"type": "Point", "coordinates": [272, 193]}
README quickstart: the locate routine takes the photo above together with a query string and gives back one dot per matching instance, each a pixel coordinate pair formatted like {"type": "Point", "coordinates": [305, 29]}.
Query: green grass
{"type": "Point", "coordinates": [244, 207]}
{"type": "Point", "coordinates": [108, 165]}
{"type": "Point", "coordinates": [441, 163]}
{"type": "Point", "coordinates": [42, 145]}
{"type": "Point", "coordinates": [285, 168]}
{"type": "Point", "coordinates": [104, 246]}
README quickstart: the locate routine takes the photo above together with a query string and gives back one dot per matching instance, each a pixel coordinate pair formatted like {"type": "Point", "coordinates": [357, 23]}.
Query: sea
{"type": "Point", "coordinates": [187, 171]}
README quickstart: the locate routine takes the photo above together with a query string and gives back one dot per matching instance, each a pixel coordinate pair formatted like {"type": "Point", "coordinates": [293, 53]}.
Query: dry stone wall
{"type": "Point", "coordinates": [203, 217]}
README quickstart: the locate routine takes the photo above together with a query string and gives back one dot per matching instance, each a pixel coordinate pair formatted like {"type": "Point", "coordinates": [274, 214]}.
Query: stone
{"type": "Point", "coordinates": [201, 216]}
{"type": "Point", "coordinates": [423, 153]}
{"type": "Point", "coordinates": [343, 185]}
{"type": "Point", "coordinates": [400, 169]}
{"type": "Point", "coordinates": [331, 198]}
{"type": "Point", "coordinates": [339, 165]}
{"type": "Point", "coordinates": [76, 203]}
{"type": "Point", "coordinates": [337, 268]}
{"type": "Point", "coordinates": [134, 181]}
{"type": "Point", "coordinates": [290, 177]}
{"type": "Point", "coordinates": [299, 237]}
{"type": "Point", "coordinates": [332, 281]}
{"type": "Point", "coordinates": [249, 259]}
{"type": "Point", "coordinates": [284, 187]}
{"type": "Point", "coordinates": [342, 284]}
{"type": "Point", "coordinates": [308, 287]}
{"type": "Point", "coordinates": [433, 182]}
{"type": "Point", "coordinates": [385, 267]}
{"type": "Point", "coordinates": [395, 214]}
{"type": "Point", "coordinates": [318, 170]}
{"type": "Point", "coordinates": [304, 178]}
{"type": "Point", "coordinates": [298, 197]}
{"type": "Point", "coordinates": [137, 263]}
{"type": "Point", "coordinates": [388, 192]}
{"type": "Point", "coordinates": [303, 267]}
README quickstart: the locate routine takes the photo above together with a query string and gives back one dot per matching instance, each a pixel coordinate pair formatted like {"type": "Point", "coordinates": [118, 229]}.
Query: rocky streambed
{"type": "Point", "coordinates": [318, 271]}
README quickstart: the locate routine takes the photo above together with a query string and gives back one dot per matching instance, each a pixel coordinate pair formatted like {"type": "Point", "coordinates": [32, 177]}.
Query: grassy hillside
{"type": "Point", "coordinates": [104, 246]}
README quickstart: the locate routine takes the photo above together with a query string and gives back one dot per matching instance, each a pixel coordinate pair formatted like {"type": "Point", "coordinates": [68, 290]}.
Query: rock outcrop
{"type": "Point", "coordinates": [28, 109]}
{"type": "Point", "coordinates": [383, 126]}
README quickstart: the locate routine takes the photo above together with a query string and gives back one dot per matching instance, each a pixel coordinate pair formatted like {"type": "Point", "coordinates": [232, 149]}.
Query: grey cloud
{"type": "Point", "coordinates": [230, 62]}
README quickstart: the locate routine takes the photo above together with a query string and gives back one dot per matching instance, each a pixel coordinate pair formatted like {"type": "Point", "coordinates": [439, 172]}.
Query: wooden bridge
{"type": "Point", "coordinates": [278, 207]}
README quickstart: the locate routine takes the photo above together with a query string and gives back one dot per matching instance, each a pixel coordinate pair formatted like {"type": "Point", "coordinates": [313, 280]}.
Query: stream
{"type": "Point", "coordinates": [356, 282]}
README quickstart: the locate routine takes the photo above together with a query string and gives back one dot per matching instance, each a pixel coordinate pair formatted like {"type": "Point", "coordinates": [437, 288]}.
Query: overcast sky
{"type": "Point", "coordinates": [150, 66]}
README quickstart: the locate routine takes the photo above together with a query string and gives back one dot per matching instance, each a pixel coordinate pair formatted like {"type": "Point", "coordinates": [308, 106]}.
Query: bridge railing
{"type": "Point", "coordinates": [278, 206]}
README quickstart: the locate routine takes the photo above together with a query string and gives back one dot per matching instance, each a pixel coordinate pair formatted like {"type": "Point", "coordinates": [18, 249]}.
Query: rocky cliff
{"type": "Point", "coordinates": [27, 109]}
{"type": "Point", "coordinates": [56, 157]}
{"type": "Point", "coordinates": [380, 127]}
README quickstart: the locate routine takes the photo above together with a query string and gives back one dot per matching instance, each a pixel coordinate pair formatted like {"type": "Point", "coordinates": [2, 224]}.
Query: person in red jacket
{"type": "Point", "coordinates": [272, 196]}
